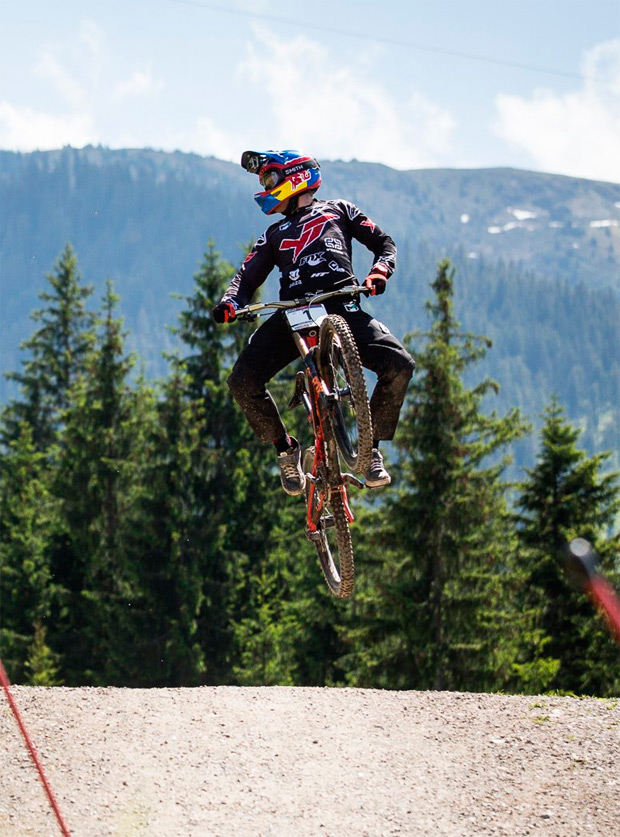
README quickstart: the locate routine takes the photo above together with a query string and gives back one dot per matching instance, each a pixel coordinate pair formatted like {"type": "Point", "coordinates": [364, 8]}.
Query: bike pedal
{"type": "Point", "coordinates": [300, 388]}
{"type": "Point", "coordinates": [350, 479]}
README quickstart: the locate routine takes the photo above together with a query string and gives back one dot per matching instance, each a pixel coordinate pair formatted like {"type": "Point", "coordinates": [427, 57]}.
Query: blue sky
{"type": "Point", "coordinates": [533, 84]}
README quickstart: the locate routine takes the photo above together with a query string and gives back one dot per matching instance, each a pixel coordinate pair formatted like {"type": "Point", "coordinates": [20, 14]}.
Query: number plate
{"type": "Point", "coordinates": [306, 317]}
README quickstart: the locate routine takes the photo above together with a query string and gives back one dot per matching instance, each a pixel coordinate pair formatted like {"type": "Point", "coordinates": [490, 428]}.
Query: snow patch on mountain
{"type": "Point", "coordinates": [606, 222]}
{"type": "Point", "coordinates": [521, 214]}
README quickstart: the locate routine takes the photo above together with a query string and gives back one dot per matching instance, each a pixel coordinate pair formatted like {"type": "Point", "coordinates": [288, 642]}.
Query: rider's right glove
{"type": "Point", "coordinates": [225, 311]}
{"type": "Point", "coordinates": [376, 280]}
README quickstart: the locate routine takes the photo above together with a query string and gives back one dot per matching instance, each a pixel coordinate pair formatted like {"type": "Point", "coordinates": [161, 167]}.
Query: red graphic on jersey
{"type": "Point", "coordinates": [310, 231]}
{"type": "Point", "coordinates": [249, 257]}
{"type": "Point", "coordinates": [368, 223]}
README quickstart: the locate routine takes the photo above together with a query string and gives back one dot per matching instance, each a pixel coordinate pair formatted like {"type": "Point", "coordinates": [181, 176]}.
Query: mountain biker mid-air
{"type": "Point", "coordinates": [312, 247]}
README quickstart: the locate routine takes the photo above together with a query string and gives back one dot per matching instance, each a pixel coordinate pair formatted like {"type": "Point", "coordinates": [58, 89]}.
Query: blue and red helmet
{"type": "Point", "coordinates": [282, 174]}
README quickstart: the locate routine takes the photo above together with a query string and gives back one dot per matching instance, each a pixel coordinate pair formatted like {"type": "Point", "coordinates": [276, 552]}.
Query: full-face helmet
{"type": "Point", "coordinates": [282, 174]}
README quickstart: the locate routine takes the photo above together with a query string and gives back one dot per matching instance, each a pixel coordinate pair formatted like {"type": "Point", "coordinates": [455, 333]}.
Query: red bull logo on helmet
{"type": "Point", "coordinates": [299, 178]}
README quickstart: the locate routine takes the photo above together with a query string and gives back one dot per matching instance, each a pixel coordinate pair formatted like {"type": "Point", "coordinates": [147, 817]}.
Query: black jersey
{"type": "Point", "coordinates": [312, 249]}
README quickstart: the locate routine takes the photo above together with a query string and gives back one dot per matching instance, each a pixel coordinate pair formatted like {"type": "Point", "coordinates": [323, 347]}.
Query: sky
{"type": "Point", "coordinates": [530, 84]}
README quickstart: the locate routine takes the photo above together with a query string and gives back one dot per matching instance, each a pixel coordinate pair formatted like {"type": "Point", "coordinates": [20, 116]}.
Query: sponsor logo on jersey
{"type": "Point", "coordinates": [310, 231]}
{"type": "Point", "coordinates": [332, 244]}
{"type": "Point", "coordinates": [368, 223]}
{"type": "Point", "coordinates": [312, 259]}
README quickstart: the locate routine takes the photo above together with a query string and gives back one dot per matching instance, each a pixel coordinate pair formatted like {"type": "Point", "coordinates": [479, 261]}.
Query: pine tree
{"type": "Point", "coordinates": [28, 520]}
{"type": "Point", "coordinates": [265, 636]}
{"type": "Point", "coordinates": [288, 629]}
{"type": "Point", "coordinates": [564, 496]}
{"type": "Point", "coordinates": [99, 468]}
{"type": "Point", "coordinates": [436, 615]}
{"type": "Point", "coordinates": [219, 510]}
{"type": "Point", "coordinates": [56, 354]}
{"type": "Point", "coordinates": [168, 519]}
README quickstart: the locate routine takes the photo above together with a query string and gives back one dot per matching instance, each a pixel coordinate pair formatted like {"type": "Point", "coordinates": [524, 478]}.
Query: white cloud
{"type": "Point", "coordinates": [577, 133]}
{"type": "Point", "coordinates": [24, 129]}
{"type": "Point", "coordinates": [91, 101]}
{"type": "Point", "coordinates": [140, 83]}
{"type": "Point", "coordinates": [310, 101]}
{"type": "Point", "coordinates": [208, 138]}
{"type": "Point", "coordinates": [92, 37]}
{"type": "Point", "coordinates": [69, 88]}
{"type": "Point", "coordinates": [76, 65]}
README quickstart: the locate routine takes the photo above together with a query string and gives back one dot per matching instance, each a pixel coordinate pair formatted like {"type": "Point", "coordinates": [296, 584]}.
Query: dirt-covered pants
{"type": "Point", "coordinates": [271, 348]}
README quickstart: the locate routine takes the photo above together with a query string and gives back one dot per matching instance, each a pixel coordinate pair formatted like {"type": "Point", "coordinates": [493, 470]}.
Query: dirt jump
{"type": "Point", "coordinates": [306, 762]}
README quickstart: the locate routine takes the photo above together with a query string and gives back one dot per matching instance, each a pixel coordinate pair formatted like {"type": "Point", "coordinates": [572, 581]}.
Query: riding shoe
{"type": "Point", "coordinates": [291, 474]}
{"type": "Point", "coordinates": [376, 474]}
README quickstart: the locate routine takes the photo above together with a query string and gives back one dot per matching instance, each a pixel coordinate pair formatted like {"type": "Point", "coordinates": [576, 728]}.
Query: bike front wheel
{"type": "Point", "coordinates": [329, 531]}
{"type": "Point", "coordinates": [348, 407]}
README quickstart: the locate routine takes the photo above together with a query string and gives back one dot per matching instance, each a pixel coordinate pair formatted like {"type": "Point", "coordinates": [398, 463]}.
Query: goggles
{"type": "Point", "coordinates": [269, 179]}
{"type": "Point", "coordinates": [252, 161]}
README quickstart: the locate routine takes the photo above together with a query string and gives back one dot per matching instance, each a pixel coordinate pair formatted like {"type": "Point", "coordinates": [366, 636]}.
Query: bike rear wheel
{"type": "Point", "coordinates": [332, 537]}
{"type": "Point", "coordinates": [349, 410]}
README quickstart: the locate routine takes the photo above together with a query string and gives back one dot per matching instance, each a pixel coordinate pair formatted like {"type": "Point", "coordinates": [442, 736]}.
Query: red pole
{"type": "Point", "coordinates": [582, 566]}
{"type": "Point", "coordinates": [31, 749]}
{"type": "Point", "coordinates": [605, 599]}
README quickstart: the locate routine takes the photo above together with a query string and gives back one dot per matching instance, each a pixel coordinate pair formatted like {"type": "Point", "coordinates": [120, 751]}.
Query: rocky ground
{"type": "Point", "coordinates": [297, 762]}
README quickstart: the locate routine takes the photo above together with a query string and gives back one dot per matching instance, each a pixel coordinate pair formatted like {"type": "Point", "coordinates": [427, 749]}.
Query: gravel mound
{"type": "Point", "coordinates": [306, 762]}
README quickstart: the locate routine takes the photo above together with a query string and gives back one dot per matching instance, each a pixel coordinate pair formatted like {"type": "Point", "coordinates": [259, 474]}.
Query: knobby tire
{"type": "Point", "coordinates": [341, 368]}
{"type": "Point", "coordinates": [332, 540]}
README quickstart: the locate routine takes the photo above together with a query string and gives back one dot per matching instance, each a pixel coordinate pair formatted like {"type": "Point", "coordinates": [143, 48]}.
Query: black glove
{"type": "Point", "coordinates": [225, 311]}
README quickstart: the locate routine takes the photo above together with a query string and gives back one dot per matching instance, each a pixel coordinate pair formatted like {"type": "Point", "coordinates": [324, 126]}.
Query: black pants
{"type": "Point", "coordinates": [271, 348]}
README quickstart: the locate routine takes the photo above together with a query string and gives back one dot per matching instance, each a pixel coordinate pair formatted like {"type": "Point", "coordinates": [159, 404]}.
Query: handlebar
{"type": "Point", "coordinates": [251, 312]}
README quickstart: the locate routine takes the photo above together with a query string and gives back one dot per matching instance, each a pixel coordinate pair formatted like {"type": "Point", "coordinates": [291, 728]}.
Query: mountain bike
{"type": "Point", "coordinates": [332, 389]}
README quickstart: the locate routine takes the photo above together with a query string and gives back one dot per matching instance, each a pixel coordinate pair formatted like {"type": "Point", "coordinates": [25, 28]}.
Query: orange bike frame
{"type": "Point", "coordinates": [317, 393]}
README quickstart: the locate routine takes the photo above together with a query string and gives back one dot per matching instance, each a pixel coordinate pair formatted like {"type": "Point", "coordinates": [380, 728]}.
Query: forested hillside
{"type": "Point", "coordinates": [145, 539]}
{"type": "Point", "coordinates": [537, 258]}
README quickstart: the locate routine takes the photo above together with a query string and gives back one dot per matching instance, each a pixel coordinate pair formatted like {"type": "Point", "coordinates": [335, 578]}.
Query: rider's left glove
{"type": "Point", "coordinates": [225, 311]}
{"type": "Point", "coordinates": [376, 280]}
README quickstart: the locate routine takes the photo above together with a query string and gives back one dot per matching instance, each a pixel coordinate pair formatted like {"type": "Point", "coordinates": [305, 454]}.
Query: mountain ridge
{"type": "Point", "coordinates": [469, 207]}
{"type": "Point", "coordinates": [537, 255]}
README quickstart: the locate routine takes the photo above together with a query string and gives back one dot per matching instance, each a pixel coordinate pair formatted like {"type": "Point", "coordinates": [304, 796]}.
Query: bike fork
{"type": "Point", "coordinates": [304, 380]}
